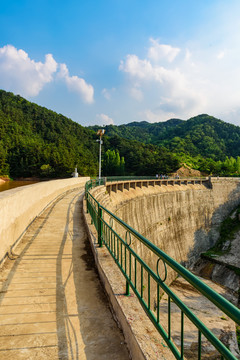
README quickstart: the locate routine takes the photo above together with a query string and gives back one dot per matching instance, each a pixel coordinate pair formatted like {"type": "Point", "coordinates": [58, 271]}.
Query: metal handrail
{"type": "Point", "coordinates": [128, 261]}
{"type": "Point", "coordinates": [123, 178]}
{"type": "Point", "coordinates": [126, 178]}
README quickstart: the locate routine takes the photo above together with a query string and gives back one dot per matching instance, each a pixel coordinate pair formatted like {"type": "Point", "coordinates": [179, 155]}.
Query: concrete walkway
{"type": "Point", "coordinates": [52, 305]}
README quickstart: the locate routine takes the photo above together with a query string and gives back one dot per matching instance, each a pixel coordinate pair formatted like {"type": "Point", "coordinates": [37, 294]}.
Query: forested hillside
{"type": "Point", "coordinates": [142, 131]}
{"type": "Point", "coordinates": [201, 135]}
{"type": "Point", "coordinates": [142, 159]}
{"type": "Point", "coordinates": [35, 141]}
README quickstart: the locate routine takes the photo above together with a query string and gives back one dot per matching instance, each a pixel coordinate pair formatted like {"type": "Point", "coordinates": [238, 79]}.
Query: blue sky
{"type": "Point", "coordinates": [102, 62]}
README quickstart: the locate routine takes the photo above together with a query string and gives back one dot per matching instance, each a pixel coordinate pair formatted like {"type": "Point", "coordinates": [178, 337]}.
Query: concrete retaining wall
{"type": "Point", "coordinates": [182, 220]}
{"type": "Point", "coordinates": [19, 206]}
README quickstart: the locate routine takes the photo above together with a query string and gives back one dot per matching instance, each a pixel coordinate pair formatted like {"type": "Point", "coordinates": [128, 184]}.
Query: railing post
{"type": "Point", "coordinates": [127, 289]}
{"type": "Point", "coordinates": [86, 196]}
{"type": "Point", "coordinates": [99, 226]}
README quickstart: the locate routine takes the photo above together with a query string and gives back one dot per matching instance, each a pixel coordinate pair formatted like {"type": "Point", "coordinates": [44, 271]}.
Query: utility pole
{"type": "Point", "coordinates": [100, 132]}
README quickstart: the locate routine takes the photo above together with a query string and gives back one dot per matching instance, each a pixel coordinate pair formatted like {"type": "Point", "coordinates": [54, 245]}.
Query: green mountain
{"type": "Point", "coordinates": [201, 135]}
{"type": "Point", "coordinates": [35, 141]}
{"type": "Point", "coordinates": [142, 131]}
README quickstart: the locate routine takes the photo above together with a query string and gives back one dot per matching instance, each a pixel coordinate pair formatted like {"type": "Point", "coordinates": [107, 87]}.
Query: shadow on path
{"type": "Point", "coordinates": [99, 335]}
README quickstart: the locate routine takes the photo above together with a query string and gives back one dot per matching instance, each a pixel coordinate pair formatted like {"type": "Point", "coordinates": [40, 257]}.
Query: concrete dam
{"type": "Point", "coordinates": [182, 220]}
{"type": "Point", "coordinates": [45, 238]}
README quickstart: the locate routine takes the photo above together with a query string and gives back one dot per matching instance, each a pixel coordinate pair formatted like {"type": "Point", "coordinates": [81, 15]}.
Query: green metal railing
{"type": "Point", "coordinates": [140, 276]}
{"type": "Point", "coordinates": [123, 178]}
{"type": "Point", "coordinates": [129, 178]}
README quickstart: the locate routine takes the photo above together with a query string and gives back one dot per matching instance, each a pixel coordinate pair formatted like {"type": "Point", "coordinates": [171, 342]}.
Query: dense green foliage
{"type": "Point", "coordinates": [142, 159]}
{"type": "Point", "coordinates": [113, 165]}
{"type": "Point", "coordinates": [202, 135]}
{"type": "Point", "coordinates": [228, 167]}
{"type": "Point", "coordinates": [35, 141]}
{"type": "Point", "coordinates": [141, 131]}
{"type": "Point", "coordinates": [203, 142]}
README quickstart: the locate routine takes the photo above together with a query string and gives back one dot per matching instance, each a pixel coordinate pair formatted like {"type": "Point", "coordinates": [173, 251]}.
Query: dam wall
{"type": "Point", "coordinates": [182, 219]}
{"type": "Point", "coordinates": [19, 207]}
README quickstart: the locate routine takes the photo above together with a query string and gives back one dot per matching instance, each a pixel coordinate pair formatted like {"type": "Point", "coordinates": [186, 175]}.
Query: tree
{"type": "Point", "coordinates": [112, 163]}
{"type": "Point", "coordinates": [46, 170]}
{"type": "Point", "coordinates": [4, 167]}
{"type": "Point", "coordinates": [238, 165]}
{"type": "Point", "coordinates": [122, 166]}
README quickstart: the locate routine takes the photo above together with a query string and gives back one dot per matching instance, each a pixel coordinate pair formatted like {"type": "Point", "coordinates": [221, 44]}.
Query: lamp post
{"type": "Point", "coordinates": [100, 132]}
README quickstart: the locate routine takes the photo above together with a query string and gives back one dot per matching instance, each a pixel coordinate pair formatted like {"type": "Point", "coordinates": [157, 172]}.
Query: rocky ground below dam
{"type": "Point", "coordinates": [221, 263]}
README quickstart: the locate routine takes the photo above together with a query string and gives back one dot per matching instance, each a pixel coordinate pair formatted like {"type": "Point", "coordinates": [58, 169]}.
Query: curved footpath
{"type": "Point", "coordinates": [52, 305]}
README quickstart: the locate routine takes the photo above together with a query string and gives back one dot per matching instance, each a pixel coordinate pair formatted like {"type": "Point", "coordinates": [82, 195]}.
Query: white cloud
{"type": "Point", "coordinates": [221, 55]}
{"type": "Point", "coordinates": [159, 116]}
{"type": "Point", "coordinates": [27, 77]}
{"type": "Point", "coordinates": [193, 82]}
{"type": "Point", "coordinates": [136, 93]}
{"type": "Point", "coordinates": [104, 119]}
{"type": "Point", "coordinates": [76, 84]}
{"type": "Point", "coordinates": [107, 93]}
{"type": "Point", "coordinates": [144, 70]}
{"type": "Point", "coordinates": [158, 52]}
{"type": "Point", "coordinates": [140, 69]}
{"type": "Point", "coordinates": [22, 75]}
{"type": "Point", "coordinates": [188, 55]}
{"type": "Point", "coordinates": [171, 86]}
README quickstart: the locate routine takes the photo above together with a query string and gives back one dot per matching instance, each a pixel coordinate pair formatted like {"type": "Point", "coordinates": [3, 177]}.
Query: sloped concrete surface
{"type": "Point", "coordinates": [52, 305]}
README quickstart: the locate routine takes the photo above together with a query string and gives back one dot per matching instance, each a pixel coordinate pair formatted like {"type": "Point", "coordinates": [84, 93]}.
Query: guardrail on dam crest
{"type": "Point", "coordinates": [147, 283]}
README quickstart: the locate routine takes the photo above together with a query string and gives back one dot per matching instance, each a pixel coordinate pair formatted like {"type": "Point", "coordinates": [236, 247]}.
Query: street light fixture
{"type": "Point", "coordinates": [100, 132]}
